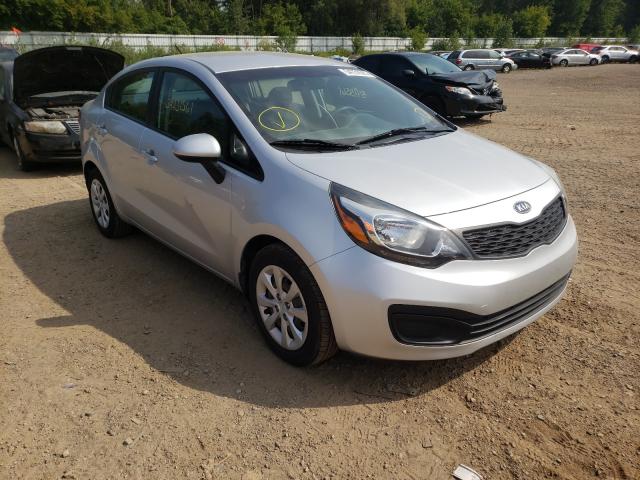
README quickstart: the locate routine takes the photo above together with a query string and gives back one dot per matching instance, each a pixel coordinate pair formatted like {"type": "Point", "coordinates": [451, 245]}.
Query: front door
{"type": "Point", "coordinates": [185, 206]}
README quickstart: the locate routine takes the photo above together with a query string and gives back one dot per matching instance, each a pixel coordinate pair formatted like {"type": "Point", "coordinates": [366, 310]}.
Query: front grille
{"type": "Point", "coordinates": [418, 325]}
{"type": "Point", "coordinates": [515, 240]}
{"type": "Point", "coordinates": [74, 125]}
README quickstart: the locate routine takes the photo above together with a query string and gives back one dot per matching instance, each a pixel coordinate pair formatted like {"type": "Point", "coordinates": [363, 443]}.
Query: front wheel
{"type": "Point", "coordinates": [23, 165]}
{"type": "Point", "coordinates": [506, 68]}
{"type": "Point", "coordinates": [593, 62]}
{"type": "Point", "coordinates": [564, 63]}
{"type": "Point", "coordinates": [289, 308]}
{"type": "Point", "coordinates": [469, 67]}
{"type": "Point", "coordinates": [102, 208]}
{"type": "Point", "coordinates": [606, 59]}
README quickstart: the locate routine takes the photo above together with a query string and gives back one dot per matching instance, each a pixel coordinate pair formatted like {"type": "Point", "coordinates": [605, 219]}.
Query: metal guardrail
{"type": "Point", "coordinates": [30, 40]}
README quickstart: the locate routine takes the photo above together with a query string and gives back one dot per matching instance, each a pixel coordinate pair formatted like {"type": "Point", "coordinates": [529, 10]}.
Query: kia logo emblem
{"type": "Point", "coordinates": [522, 207]}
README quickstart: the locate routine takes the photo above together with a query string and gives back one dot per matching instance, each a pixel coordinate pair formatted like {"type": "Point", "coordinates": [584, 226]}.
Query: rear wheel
{"type": "Point", "coordinates": [506, 68]}
{"type": "Point", "coordinates": [23, 164]}
{"type": "Point", "coordinates": [102, 208]}
{"type": "Point", "coordinates": [289, 308]}
{"type": "Point", "coordinates": [564, 63]}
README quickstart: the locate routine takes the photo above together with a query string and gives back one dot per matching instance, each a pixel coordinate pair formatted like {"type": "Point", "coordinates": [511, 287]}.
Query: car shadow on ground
{"type": "Point", "coordinates": [44, 170]}
{"type": "Point", "coordinates": [185, 322]}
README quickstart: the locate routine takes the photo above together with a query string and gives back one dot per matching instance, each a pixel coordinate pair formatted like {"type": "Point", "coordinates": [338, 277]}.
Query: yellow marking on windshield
{"type": "Point", "coordinates": [279, 119]}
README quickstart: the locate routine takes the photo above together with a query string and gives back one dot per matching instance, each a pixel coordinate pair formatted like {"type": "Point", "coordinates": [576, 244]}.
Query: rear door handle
{"type": "Point", "coordinates": [150, 154]}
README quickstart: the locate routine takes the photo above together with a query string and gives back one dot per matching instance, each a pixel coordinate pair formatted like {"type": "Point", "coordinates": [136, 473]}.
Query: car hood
{"type": "Point", "coordinates": [63, 69]}
{"type": "Point", "coordinates": [429, 177]}
{"type": "Point", "coordinates": [476, 79]}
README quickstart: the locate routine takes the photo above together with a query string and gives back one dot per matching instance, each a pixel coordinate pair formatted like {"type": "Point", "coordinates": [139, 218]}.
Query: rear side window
{"type": "Point", "coordinates": [392, 66]}
{"type": "Point", "coordinates": [371, 63]}
{"type": "Point", "coordinates": [130, 95]}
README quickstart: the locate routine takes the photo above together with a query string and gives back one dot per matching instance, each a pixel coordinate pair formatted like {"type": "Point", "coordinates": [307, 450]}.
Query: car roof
{"type": "Point", "coordinates": [220, 62]}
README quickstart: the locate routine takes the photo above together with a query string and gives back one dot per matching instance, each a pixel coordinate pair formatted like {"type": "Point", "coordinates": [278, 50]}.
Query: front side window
{"type": "Point", "coordinates": [392, 66]}
{"type": "Point", "coordinates": [185, 108]}
{"type": "Point", "coordinates": [433, 64]}
{"type": "Point", "coordinates": [325, 103]}
{"type": "Point", "coordinates": [130, 95]}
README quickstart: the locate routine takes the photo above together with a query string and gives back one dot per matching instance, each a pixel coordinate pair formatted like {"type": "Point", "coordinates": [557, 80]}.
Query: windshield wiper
{"type": "Point", "coordinates": [313, 143]}
{"type": "Point", "coordinates": [400, 131]}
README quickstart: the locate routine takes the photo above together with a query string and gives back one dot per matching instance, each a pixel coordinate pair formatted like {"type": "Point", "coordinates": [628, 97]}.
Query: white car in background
{"type": "Point", "coordinates": [575, 56]}
{"type": "Point", "coordinates": [617, 53]}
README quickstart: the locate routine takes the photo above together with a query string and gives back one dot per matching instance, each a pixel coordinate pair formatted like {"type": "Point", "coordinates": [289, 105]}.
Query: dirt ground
{"type": "Point", "coordinates": [121, 359]}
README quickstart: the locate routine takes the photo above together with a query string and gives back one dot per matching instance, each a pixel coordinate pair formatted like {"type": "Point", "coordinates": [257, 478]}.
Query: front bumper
{"type": "Point", "coordinates": [359, 289]}
{"type": "Point", "coordinates": [460, 105]}
{"type": "Point", "coordinates": [48, 148]}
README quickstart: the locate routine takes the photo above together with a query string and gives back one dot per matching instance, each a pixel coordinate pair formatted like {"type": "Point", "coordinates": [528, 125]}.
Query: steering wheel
{"type": "Point", "coordinates": [342, 111]}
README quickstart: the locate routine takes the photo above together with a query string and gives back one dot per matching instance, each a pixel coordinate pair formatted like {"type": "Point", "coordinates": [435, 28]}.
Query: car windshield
{"type": "Point", "coordinates": [433, 64]}
{"type": "Point", "coordinates": [326, 106]}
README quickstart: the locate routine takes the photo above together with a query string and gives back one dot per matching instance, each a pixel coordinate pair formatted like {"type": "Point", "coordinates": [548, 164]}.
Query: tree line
{"type": "Point", "coordinates": [290, 18]}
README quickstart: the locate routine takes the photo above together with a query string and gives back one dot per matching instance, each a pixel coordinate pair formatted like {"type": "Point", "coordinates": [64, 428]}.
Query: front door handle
{"type": "Point", "coordinates": [150, 155]}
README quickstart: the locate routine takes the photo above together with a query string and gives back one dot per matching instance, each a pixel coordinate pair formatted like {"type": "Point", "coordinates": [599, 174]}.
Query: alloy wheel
{"type": "Point", "coordinates": [100, 203]}
{"type": "Point", "coordinates": [282, 307]}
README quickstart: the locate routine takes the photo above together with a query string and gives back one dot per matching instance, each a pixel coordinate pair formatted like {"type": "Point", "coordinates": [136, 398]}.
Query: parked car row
{"type": "Point", "coordinates": [349, 213]}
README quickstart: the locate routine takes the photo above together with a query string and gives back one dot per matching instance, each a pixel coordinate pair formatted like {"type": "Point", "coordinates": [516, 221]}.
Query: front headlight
{"type": "Point", "coordinates": [393, 233]}
{"type": "Point", "coordinates": [458, 90]}
{"type": "Point", "coordinates": [45, 127]}
{"type": "Point", "coordinates": [496, 86]}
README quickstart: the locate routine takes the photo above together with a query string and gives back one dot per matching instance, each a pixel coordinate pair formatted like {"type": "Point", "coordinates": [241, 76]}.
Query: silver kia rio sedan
{"type": "Point", "coordinates": [350, 215]}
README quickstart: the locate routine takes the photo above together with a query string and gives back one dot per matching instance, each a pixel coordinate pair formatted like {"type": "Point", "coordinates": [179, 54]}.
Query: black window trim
{"type": "Point", "coordinates": [107, 95]}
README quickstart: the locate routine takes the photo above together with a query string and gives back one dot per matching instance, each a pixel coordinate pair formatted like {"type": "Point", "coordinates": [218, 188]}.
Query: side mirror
{"type": "Point", "coordinates": [408, 73]}
{"type": "Point", "coordinates": [201, 148]}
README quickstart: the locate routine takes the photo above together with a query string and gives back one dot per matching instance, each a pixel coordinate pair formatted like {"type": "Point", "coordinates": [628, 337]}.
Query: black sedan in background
{"type": "Point", "coordinates": [438, 83]}
{"type": "Point", "coordinates": [41, 93]}
{"type": "Point", "coordinates": [531, 59]}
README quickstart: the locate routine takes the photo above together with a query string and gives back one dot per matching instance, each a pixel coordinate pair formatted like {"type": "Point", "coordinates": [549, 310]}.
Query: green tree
{"type": "Point", "coordinates": [532, 21]}
{"type": "Point", "coordinates": [605, 17]}
{"type": "Point", "coordinates": [418, 38]}
{"type": "Point", "coordinates": [283, 20]}
{"type": "Point", "coordinates": [504, 34]}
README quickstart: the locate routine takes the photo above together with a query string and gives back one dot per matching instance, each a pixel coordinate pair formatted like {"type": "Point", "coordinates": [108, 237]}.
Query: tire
{"type": "Point", "coordinates": [313, 341]}
{"type": "Point", "coordinates": [593, 62]}
{"type": "Point", "coordinates": [469, 67]}
{"type": "Point", "coordinates": [606, 59]}
{"type": "Point", "coordinates": [633, 59]}
{"type": "Point", "coordinates": [506, 68]}
{"type": "Point", "coordinates": [564, 63]}
{"type": "Point", "coordinates": [23, 165]}
{"type": "Point", "coordinates": [102, 208]}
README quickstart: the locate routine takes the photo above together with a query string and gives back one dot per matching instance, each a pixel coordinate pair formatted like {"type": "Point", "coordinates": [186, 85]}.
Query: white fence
{"type": "Point", "coordinates": [31, 40]}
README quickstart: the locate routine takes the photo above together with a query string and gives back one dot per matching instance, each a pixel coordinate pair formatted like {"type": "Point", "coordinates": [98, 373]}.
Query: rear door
{"type": "Point", "coordinates": [118, 136]}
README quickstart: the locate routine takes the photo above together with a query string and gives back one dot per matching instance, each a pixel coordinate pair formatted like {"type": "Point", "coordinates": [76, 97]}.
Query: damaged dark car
{"type": "Point", "coordinates": [41, 93]}
{"type": "Point", "coordinates": [439, 84]}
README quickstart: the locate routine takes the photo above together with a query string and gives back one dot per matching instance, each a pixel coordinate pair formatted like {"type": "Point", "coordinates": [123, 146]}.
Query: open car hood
{"type": "Point", "coordinates": [63, 69]}
{"type": "Point", "coordinates": [476, 79]}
